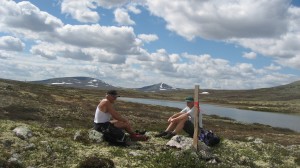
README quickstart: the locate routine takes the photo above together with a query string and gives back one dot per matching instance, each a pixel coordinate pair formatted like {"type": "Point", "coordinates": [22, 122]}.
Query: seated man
{"type": "Point", "coordinates": [182, 120]}
{"type": "Point", "coordinates": [105, 112]}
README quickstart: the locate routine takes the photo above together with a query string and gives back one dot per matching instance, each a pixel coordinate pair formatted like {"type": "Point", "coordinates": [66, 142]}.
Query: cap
{"type": "Point", "coordinates": [113, 92]}
{"type": "Point", "coordinates": [189, 99]}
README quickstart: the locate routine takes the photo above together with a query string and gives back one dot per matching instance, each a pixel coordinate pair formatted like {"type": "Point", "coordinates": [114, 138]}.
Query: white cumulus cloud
{"type": "Point", "coordinates": [11, 43]}
{"type": "Point", "coordinates": [223, 19]}
{"type": "Point", "coordinates": [269, 28]}
{"type": "Point", "coordinates": [148, 37]}
{"type": "Point", "coordinates": [122, 17]}
{"type": "Point", "coordinates": [249, 55]}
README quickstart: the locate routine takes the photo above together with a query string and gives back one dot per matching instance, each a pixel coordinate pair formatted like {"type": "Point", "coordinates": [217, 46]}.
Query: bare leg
{"type": "Point", "coordinates": [179, 126]}
{"type": "Point", "coordinates": [123, 125]}
{"type": "Point", "coordinates": [171, 127]}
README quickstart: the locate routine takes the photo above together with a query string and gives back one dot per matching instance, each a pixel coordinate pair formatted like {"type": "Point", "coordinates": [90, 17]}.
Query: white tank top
{"type": "Point", "coordinates": [101, 117]}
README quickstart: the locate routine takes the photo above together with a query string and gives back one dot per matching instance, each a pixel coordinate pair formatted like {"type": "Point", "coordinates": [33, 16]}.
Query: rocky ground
{"type": "Point", "coordinates": [66, 147]}
{"type": "Point", "coordinates": [58, 125]}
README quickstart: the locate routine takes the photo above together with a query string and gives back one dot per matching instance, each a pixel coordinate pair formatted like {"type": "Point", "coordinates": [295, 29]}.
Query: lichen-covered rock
{"type": "Point", "coordinates": [95, 136]}
{"type": "Point", "coordinates": [23, 132]}
{"type": "Point", "coordinates": [14, 160]}
{"type": "Point", "coordinates": [78, 135]}
{"type": "Point", "coordinates": [59, 129]}
{"type": "Point", "coordinates": [30, 146]}
{"type": "Point", "coordinates": [186, 145]}
{"type": "Point", "coordinates": [180, 142]}
{"type": "Point", "coordinates": [258, 141]}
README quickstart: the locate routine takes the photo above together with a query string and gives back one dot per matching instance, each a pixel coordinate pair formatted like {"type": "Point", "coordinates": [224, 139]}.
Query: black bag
{"type": "Point", "coordinates": [113, 135]}
{"type": "Point", "coordinates": [209, 138]}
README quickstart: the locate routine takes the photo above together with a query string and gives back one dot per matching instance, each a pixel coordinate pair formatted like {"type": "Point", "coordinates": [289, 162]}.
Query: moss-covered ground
{"type": "Point", "coordinates": [44, 108]}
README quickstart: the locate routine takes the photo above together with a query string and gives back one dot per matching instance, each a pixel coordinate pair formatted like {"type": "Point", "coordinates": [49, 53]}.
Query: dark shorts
{"type": "Point", "coordinates": [189, 128]}
{"type": "Point", "coordinates": [102, 127]}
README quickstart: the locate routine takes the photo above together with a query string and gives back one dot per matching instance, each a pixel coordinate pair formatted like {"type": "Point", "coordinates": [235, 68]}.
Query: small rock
{"type": "Point", "coordinates": [59, 129]}
{"type": "Point", "coordinates": [213, 161]}
{"type": "Point", "coordinates": [258, 141]}
{"type": "Point", "coordinates": [78, 136]}
{"type": "Point", "coordinates": [44, 142]}
{"type": "Point", "coordinates": [133, 153]}
{"type": "Point", "coordinates": [15, 159]}
{"type": "Point", "coordinates": [23, 132]}
{"type": "Point", "coordinates": [30, 146]}
{"type": "Point", "coordinates": [249, 138]}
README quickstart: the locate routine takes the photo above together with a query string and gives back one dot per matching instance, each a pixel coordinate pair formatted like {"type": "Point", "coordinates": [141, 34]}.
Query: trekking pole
{"type": "Point", "coordinates": [196, 117]}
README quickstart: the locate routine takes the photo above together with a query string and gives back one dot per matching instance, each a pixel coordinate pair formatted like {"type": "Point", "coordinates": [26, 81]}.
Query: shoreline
{"type": "Point", "coordinates": [225, 127]}
{"type": "Point", "coordinates": [231, 112]}
{"type": "Point", "coordinates": [261, 106]}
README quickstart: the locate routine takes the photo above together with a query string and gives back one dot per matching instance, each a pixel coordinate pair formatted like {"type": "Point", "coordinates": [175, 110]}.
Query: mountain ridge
{"type": "Point", "coordinates": [77, 82]}
{"type": "Point", "coordinates": [157, 87]}
{"type": "Point", "coordinates": [88, 82]}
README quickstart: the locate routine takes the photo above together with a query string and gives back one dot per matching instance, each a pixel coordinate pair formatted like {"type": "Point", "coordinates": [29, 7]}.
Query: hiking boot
{"type": "Point", "coordinates": [138, 137]}
{"type": "Point", "coordinates": [164, 133]}
{"type": "Point", "coordinates": [169, 135]}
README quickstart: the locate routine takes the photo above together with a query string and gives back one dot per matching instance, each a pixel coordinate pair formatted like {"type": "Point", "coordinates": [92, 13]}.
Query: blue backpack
{"type": "Point", "coordinates": [209, 138]}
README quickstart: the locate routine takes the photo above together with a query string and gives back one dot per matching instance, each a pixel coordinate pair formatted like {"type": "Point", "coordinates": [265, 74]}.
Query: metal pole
{"type": "Point", "coordinates": [196, 117]}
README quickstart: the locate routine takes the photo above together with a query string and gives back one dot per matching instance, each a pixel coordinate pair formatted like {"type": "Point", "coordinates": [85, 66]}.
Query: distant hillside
{"type": "Point", "coordinates": [157, 87]}
{"type": "Point", "coordinates": [279, 93]}
{"type": "Point", "coordinates": [78, 82]}
{"type": "Point", "coordinates": [294, 86]}
{"type": "Point", "coordinates": [281, 99]}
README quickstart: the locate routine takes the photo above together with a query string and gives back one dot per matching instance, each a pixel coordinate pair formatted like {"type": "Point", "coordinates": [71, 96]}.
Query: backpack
{"type": "Point", "coordinates": [115, 136]}
{"type": "Point", "coordinates": [209, 138]}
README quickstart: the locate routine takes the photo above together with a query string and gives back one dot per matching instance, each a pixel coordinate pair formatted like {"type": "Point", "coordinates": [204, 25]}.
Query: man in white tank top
{"type": "Point", "coordinates": [106, 114]}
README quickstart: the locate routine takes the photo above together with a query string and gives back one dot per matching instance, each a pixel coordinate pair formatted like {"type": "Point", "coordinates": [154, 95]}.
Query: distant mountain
{"type": "Point", "coordinates": [157, 87]}
{"type": "Point", "coordinates": [286, 92]}
{"type": "Point", "coordinates": [78, 82]}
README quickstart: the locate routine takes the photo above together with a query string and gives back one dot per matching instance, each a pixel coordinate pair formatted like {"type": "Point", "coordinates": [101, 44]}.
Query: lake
{"type": "Point", "coordinates": [246, 116]}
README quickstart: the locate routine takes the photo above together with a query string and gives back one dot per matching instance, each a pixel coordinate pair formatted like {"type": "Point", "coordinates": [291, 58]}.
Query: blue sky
{"type": "Point", "coordinates": [218, 44]}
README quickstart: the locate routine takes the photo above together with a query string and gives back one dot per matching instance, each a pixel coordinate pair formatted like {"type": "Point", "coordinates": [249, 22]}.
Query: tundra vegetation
{"type": "Point", "coordinates": [59, 121]}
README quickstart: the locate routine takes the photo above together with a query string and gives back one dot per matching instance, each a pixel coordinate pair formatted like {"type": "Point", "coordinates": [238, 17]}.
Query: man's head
{"type": "Point", "coordinates": [112, 95]}
{"type": "Point", "coordinates": [189, 101]}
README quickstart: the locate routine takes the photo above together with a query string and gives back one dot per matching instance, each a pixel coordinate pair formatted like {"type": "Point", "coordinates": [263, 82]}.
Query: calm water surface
{"type": "Point", "coordinates": [247, 116]}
